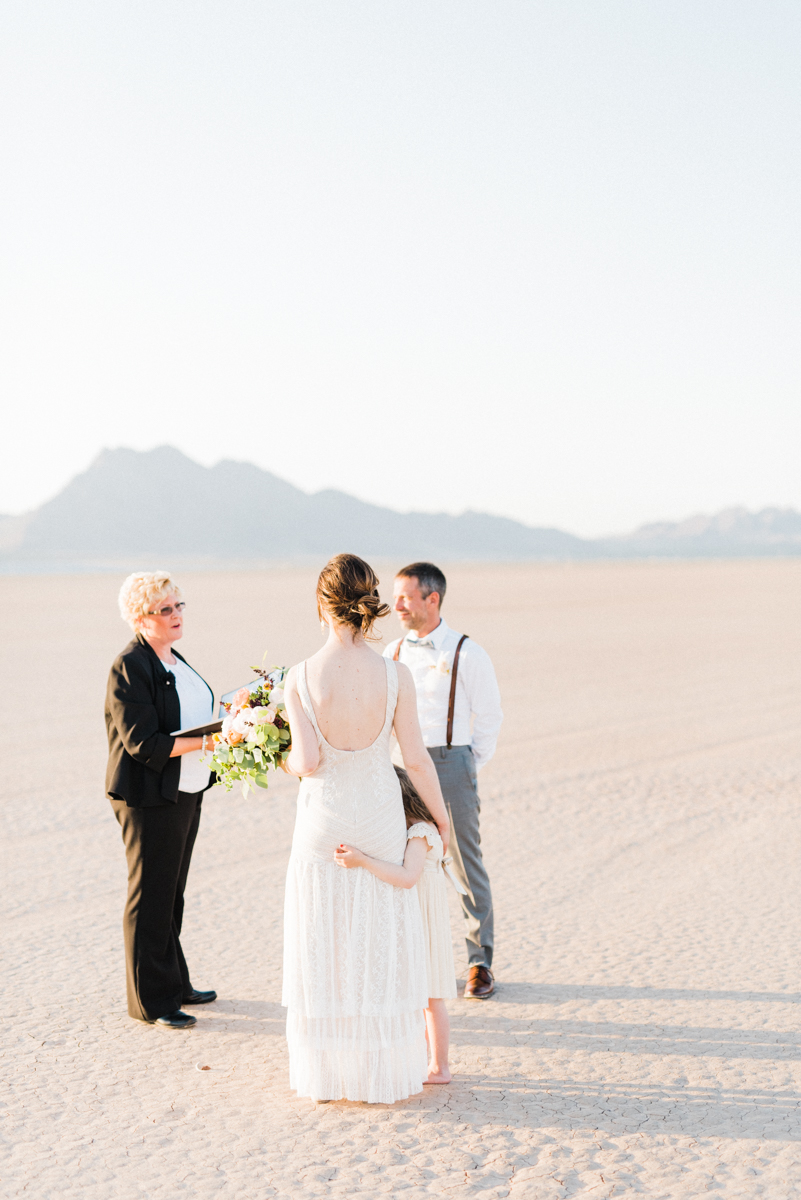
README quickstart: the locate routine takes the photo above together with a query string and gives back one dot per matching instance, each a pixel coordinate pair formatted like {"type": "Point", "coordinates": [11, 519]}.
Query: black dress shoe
{"type": "Point", "coordinates": [196, 997]}
{"type": "Point", "coordinates": [176, 1020]}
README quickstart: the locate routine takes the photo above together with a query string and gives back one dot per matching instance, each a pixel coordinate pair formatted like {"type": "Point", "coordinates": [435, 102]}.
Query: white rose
{"type": "Point", "coordinates": [241, 722]}
{"type": "Point", "coordinates": [260, 715]}
{"type": "Point", "coordinates": [277, 696]}
{"type": "Point", "coordinates": [443, 666]}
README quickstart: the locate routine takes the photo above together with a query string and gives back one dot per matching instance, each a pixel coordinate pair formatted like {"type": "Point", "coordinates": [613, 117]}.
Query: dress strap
{"type": "Point", "coordinates": [392, 693]}
{"type": "Point", "coordinates": [305, 698]}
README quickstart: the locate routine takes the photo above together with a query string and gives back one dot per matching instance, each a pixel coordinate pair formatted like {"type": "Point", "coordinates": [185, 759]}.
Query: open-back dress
{"type": "Point", "coordinates": [354, 949]}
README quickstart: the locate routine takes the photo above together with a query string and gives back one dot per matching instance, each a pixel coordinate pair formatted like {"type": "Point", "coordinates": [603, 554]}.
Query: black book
{"type": "Point", "coordinates": [198, 730]}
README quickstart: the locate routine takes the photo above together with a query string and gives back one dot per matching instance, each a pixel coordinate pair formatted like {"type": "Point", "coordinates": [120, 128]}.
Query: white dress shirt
{"type": "Point", "coordinates": [197, 707]}
{"type": "Point", "coordinates": [477, 712]}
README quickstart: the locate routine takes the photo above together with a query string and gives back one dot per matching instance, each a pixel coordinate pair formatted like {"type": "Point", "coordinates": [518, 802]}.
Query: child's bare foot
{"type": "Point", "coordinates": [443, 1076]}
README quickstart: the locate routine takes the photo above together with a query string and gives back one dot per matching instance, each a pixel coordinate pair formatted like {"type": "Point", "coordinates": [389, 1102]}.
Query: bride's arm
{"type": "Point", "coordinates": [416, 758]}
{"type": "Point", "coordinates": [402, 877]}
{"type": "Point", "coordinates": [304, 756]}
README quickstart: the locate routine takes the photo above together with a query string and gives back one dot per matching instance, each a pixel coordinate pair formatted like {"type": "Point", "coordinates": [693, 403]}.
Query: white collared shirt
{"type": "Point", "coordinates": [477, 712]}
{"type": "Point", "coordinates": [197, 707]}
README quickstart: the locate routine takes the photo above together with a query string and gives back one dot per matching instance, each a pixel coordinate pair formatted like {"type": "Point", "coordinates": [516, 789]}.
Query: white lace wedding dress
{"type": "Point", "coordinates": [354, 949]}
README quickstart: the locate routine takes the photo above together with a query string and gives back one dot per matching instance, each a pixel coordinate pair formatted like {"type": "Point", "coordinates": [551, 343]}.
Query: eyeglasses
{"type": "Point", "coordinates": [169, 609]}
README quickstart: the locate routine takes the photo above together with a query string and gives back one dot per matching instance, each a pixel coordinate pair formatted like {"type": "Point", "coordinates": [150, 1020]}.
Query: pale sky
{"type": "Point", "coordinates": [534, 258]}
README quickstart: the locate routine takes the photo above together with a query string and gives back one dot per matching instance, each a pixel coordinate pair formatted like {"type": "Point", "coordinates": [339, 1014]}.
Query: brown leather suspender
{"type": "Point", "coordinates": [454, 669]}
{"type": "Point", "coordinates": [452, 700]}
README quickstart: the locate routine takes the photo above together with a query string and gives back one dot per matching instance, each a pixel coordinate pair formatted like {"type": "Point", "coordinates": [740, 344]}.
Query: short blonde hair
{"type": "Point", "coordinates": [142, 591]}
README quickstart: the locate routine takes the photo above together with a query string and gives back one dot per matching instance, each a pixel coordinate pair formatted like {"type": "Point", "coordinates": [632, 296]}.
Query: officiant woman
{"type": "Point", "coordinates": [156, 783]}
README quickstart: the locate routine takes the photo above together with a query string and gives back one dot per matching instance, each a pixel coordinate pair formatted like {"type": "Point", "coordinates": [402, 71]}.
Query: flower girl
{"type": "Point", "coordinates": [424, 866]}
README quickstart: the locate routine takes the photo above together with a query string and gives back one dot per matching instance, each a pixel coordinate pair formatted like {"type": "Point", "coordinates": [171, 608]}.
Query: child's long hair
{"type": "Point", "coordinates": [413, 803]}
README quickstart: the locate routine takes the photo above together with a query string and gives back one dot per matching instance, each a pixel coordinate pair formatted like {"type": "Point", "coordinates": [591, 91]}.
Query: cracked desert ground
{"type": "Point", "coordinates": [642, 827]}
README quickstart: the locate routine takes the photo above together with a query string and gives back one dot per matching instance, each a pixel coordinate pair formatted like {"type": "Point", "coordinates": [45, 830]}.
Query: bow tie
{"type": "Point", "coordinates": [410, 641]}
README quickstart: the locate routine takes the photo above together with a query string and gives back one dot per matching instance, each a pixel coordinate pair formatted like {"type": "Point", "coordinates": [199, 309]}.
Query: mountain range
{"type": "Point", "coordinates": [130, 508]}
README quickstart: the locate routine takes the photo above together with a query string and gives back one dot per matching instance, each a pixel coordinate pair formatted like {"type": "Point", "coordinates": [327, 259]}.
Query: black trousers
{"type": "Point", "coordinates": [158, 846]}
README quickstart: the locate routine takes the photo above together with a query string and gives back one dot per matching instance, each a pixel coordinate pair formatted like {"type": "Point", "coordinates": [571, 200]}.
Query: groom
{"type": "Point", "coordinates": [459, 706]}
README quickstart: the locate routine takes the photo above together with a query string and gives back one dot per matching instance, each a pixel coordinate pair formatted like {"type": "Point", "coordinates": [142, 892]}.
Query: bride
{"type": "Point", "coordinates": [354, 956]}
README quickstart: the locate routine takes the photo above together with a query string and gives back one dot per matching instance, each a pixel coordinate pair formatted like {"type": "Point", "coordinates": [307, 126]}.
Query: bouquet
{"type": "Point", "coordinates": [255, 734]}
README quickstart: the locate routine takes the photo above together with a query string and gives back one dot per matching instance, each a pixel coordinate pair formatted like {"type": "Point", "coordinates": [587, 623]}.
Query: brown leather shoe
{"type": "Point", "coordinates": [480, 983]}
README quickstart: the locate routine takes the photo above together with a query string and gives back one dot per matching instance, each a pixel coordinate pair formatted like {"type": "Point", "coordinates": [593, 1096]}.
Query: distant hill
{"type": "Point", "coordinates": [132, 508]}
{"type": "Point", "coordinates": [734, 532]}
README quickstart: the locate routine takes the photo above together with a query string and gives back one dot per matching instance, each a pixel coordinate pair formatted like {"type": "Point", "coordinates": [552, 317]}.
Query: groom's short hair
{"type": "Point", "coordinates": [429, 578]}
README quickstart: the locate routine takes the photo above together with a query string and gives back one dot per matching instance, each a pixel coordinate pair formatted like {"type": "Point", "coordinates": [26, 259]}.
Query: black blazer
{"type": "Point", "coordinates": [142, 707]}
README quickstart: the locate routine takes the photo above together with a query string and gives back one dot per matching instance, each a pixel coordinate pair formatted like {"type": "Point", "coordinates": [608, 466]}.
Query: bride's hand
{"type": "Point", "coordinates": [445, 834]}
{"type": "Point", "coordinates": [348, 856]}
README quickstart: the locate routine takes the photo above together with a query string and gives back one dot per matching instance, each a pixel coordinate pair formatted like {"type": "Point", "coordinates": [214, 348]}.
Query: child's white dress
{"type": "Point", "coordinates": [431, 888]}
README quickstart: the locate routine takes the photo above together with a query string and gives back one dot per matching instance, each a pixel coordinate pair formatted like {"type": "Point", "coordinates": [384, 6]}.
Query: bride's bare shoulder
{"type": "Point", "coordinates": [405, 678]}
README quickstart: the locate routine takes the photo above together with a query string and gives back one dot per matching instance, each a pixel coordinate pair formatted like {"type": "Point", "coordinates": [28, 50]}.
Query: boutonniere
{"type": "Point", "coordinates": [442, 666]}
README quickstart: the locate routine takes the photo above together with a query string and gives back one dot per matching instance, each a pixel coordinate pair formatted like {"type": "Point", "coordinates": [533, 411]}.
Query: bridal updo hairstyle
{"type": "Point", "coordinates": [348, 591]}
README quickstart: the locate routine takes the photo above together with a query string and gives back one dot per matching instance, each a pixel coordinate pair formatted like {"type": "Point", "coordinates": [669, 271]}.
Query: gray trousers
{"type": "Point", "coordinates": [457, 778]}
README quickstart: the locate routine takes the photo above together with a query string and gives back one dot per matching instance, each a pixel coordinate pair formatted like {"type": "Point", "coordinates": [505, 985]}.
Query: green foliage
{"type": "Point", "coordinates": [249, 762]}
